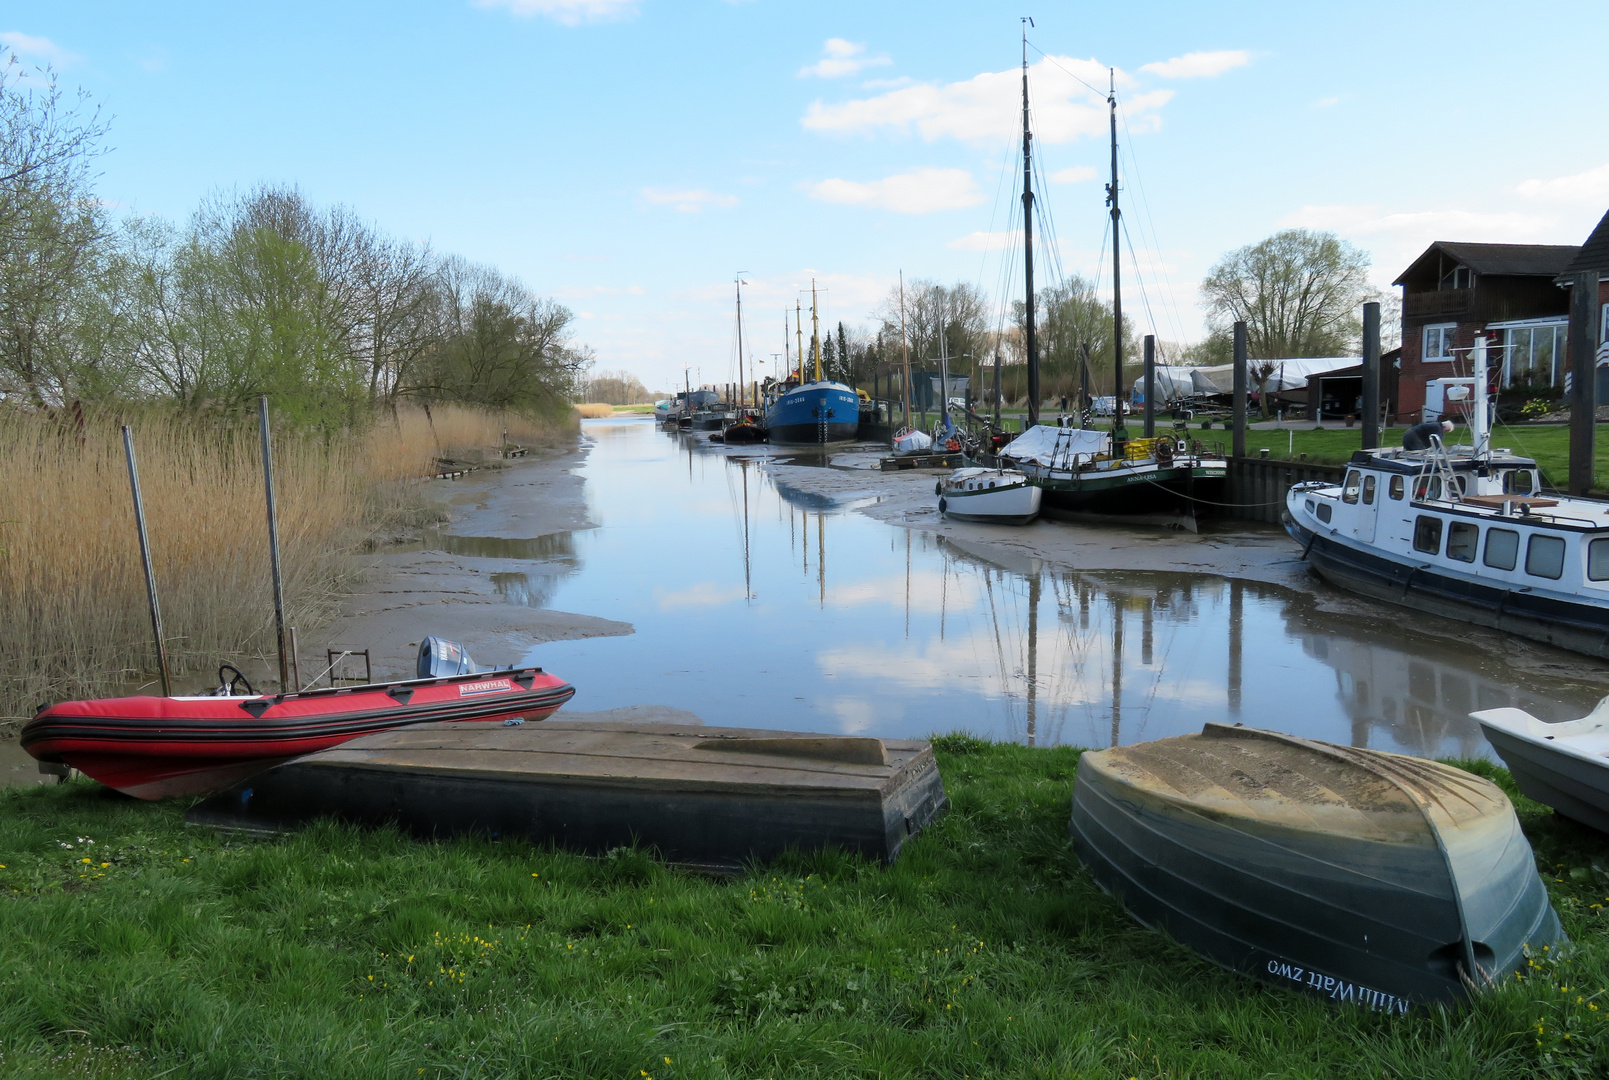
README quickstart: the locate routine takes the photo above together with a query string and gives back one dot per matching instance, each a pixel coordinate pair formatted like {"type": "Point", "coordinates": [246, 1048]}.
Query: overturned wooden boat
{"type": "Point", "coordinates": [158, 747]}
{"type": "Point", "coordinates": [1364, 877]}
{"type": "Point", "coordinates": [1565, 766]}
{"type": "Point", "coordinates": [704, 796]}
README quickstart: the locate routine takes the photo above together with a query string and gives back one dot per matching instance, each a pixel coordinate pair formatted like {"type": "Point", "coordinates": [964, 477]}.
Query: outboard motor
{"type": "Point", "coordinates": [440, 659]}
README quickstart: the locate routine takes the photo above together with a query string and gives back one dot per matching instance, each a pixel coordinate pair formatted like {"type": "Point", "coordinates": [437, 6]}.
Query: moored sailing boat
{"type": "Point", "coordinates": [813, 413]}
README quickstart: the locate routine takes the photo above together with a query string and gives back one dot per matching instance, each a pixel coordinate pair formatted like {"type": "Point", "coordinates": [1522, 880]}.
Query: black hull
{"type": "Point", "coordinates": [1175, 496]}
{"type": "Point", "coordinates": [811, 434]}
{"type": "Point", "coordinates": [1581, 628]}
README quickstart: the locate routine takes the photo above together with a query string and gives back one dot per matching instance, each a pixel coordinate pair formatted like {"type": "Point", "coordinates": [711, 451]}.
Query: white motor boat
{"type": "Point", "coordinates": [998, 495]}
{"type": "Point", "coordinates": [1565, 766]}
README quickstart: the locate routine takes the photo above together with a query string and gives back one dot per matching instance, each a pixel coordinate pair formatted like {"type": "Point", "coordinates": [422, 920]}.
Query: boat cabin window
{"type": "Point", "coordinates": [1396, 487]}
{"type": "Point", "coordinates": [1349, 493]}
{"type": "Point", "coordinates": [1427, 534]}
{"type": "Point", "coordinates": [1427, 487]}
{"type": "Point", "coordinates": [1598, 559]}
{"type": "Point", "coordinates": [1324, 512]}
{"type": "Point", "coordinates": [1502, 548]}
{"type": "Point", "coordinates": [1462, 540]}
{"type": "Point", "coordinates": [1544, 556]}
{"type": "Point", "coordinates": [1519, 482]}
{"type": "Point", "coordinates": [1368, 491]}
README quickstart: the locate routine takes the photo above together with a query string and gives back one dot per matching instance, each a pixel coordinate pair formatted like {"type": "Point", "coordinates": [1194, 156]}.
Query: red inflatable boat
{"type": "Point", "coordinates": [154, 747]}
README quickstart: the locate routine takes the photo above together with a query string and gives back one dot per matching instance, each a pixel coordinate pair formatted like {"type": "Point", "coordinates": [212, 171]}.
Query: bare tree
{"type": "Point", "coordinates": [1299, 292]}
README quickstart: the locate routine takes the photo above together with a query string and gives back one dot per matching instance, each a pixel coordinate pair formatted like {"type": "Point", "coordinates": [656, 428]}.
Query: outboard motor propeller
{"type": "Point", "coordinates": [440, 659]}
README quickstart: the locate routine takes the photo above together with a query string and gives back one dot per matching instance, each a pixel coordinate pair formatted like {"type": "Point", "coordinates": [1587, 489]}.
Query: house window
{"type": "Point", "coordinates": [1534, 355]}
{"type": "Point", "coordinates": [1459, 277]}
{"type": "Point", "coordinates": [1439, 341]}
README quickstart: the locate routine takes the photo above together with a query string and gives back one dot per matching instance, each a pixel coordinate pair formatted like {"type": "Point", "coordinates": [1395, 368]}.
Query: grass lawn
{"type": "Point", "coordinates": [131, 945]}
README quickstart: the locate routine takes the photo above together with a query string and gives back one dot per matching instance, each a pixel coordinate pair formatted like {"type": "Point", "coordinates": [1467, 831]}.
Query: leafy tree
{"type": "Point", "coordinates": [1299, 292]}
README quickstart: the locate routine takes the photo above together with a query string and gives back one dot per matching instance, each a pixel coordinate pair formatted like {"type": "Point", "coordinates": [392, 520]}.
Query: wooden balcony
{"type": "Point", "coordinates": [1448, 302]}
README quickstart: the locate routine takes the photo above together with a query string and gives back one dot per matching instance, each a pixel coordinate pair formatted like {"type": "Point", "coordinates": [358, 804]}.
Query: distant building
{"type": "Point", "coordinates": [1454, 291]}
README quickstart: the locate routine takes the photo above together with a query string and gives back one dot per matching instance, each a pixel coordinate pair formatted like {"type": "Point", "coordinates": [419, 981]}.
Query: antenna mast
{"type": "Point", "coordinates": [1028, 238]}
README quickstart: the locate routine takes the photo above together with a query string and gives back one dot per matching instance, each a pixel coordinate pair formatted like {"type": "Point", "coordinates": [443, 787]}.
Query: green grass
{"type": "Point", "coordinates": [648, 408]}
{"type": "Point", "coordinates": [160, 950]}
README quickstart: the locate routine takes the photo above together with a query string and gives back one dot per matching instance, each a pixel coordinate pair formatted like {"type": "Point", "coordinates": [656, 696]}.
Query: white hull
{"type": "Point", "coordinates": [1565, 766]}
{"type": "Point", "coordinates": [990, 495]}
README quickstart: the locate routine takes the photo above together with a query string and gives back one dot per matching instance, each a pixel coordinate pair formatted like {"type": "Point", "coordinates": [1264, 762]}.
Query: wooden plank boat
{"type": "Point", "coordinates": [705, 796]}
{"type": "Point", "coordinates": [1565, 766]}
{"type": "Point", "coordinates": [156, 747]}
{"type": "Point", "coordinates": [1361, 876]}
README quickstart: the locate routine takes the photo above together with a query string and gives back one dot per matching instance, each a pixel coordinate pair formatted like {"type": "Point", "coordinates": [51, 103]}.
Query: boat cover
{"type": "Point", "coordinates": [1365, 877]}
{"type": "Point", "coordinates": [1056, 446]}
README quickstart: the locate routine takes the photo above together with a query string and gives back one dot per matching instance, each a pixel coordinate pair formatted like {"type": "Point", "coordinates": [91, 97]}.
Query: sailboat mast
{"type": "Point", "coordinates": [1028, 244]}
{"type": "Point", "coordinates": [1117, 270]}
{"type": "Point", "coordinates": [905, 352]}
{"type": "Point", "coordinates": [740, 396]}
{"type": "Point", "coordinates": [815, 331]}
{"type": "Point", "coordinates": [798, 330]}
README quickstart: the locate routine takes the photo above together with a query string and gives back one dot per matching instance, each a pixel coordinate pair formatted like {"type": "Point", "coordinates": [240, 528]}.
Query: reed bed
{"type": "Point", "coordinates": [73, 614]}
{"type": "Point", "coordinates": [594, 411]}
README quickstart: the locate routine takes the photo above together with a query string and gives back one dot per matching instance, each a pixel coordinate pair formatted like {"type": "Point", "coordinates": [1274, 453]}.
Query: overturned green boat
{"type": "Point", "coordinates": [1361, 876]}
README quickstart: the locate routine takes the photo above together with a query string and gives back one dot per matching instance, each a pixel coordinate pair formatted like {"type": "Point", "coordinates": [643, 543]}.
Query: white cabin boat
{"type": "Point", "coordinates": [1464, 532]}
{"type": "Point", "coordinates": [997, 495]}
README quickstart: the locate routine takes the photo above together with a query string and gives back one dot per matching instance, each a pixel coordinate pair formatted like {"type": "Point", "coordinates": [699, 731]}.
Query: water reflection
{"type": "Point", "coordinates": [760, 604]}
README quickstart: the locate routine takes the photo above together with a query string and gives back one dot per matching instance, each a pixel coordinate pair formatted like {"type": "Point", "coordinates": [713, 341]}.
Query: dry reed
{"type": "Point", "coordinates": [73, 615]}
{"type": "Point", "coordinates": [594, 411]}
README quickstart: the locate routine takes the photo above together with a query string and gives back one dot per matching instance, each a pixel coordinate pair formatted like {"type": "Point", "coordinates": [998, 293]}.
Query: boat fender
{"type": "Point", "coordinates": [943, 504]}
{"type": "Point", "coordinates": [938, 488]}
{"type": "Point", "coordinates": [514, 721]}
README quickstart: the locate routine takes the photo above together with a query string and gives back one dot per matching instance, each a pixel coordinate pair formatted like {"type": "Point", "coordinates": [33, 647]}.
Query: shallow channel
{"type": "Point", "coordinates": [757, 604]}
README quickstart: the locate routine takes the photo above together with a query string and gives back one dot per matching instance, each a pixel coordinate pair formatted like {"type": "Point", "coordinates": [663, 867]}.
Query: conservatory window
{"type": "Point", "coordinates": [1534, 355]}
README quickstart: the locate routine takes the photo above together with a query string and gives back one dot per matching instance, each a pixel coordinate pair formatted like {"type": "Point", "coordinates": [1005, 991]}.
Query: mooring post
{"type": "Point", "coordinates": [145, 557]}
{"type": "Point", "coordinates": [1150, 386]}
{"type": "Point", "coordinates": [1583, 378]}
{"type": "Point", "coordinates": [1239, 419]}
{"type": "Point", "coordinates": [1371, 375]}
{"type": "Point", "coordinates": [273, 545]}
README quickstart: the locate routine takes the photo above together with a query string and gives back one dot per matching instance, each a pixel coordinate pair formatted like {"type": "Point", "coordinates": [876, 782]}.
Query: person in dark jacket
{"type": "Point", "coordinates": [1418, 436]}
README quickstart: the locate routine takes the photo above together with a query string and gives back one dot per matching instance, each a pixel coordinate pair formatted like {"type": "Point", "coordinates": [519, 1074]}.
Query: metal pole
{"type": "Point", "coordinates": [1583, 391]}
{"type": "Point", "coordinates": [145, 557]}
{"type": "Point", "coordinates": [1239, 420]}
{"type": "Point", "coordinates": [296, 660]}
{"type": "Point", "coordinates": [1371, 375]}
{"type": "Point", "coordinates": [273, 546]}
{"type": "Point", "coordinates": [997, 388]}
{"type": "Point", "coordinates": [1150, 386]}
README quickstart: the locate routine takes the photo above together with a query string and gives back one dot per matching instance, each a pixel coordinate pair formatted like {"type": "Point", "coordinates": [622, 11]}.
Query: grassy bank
{"type": "Point", "coordinates": [133, 946]}
{"type": "Point", "coordinates": [73, 620]}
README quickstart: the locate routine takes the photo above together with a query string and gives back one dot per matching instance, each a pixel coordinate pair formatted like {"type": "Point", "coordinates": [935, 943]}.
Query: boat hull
{"type": "Point", "coordinates": [813, 414]}
{"type": "Point", "coordinates": [1015, 502]}
{"type": "Point", "coordinates": [1582, 628]}
{"type": "Point", "coordinates": [155, 747]}
{"type": "Point", "coordinates": [1331, 870]}
{"type": "Point", "coordinates": [709, 797]}
{"type": "Point", "coordinates": [1547, 769]}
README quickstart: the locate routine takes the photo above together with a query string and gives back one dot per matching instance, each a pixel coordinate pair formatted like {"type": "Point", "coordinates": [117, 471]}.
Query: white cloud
{"type": "Point", "coordinates": [986, 107]}
{"type": "Point", "coordinates": [567, 12]}
{"type": "Point", "coordinates": [42, 49]}
{"type": "Point", "coordinates": [1199, 65]}
{"type": "Point", "coordinates": [920, 192]}
{"type": "Point", "coordinates": [1396, 238]}
{"type": "Point", "coordinates": [1076, 174]}
{"type": "Point", "coordinates": [704, 594]}
{"type": "Point", "coordinates": [1326, 102]}
{"type": "Point", "coordinates": [840, 58]}
{"type": "Point", "coordinates": [1591, 186]}
{"type": "Point", "coordinates": [987, 241]}
{"type": "Point", "coordinates": [688, 202]}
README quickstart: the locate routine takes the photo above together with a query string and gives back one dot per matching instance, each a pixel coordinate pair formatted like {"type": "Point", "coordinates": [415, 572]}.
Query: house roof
{"type": "Point", "coordinates": [1594, 254]}
{"type": "Point", "coordinates": [1518, 260]}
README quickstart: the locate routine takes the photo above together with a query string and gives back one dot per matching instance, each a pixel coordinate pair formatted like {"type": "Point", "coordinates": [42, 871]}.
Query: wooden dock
{"type": "Point", "coordinates": [922, 461]}
{"type": "Point", "coordinates": [709, 797]}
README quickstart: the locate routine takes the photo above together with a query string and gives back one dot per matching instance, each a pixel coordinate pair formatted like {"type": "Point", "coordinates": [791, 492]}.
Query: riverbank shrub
{"type": "Point", "coordinates": [73, 614]}
{"type": "Point", "coordinates": [132, 942]}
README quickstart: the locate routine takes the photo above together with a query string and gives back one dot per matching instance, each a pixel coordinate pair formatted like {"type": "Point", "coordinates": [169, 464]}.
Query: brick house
{"type": "Point", "coordinates": [1454, 291]}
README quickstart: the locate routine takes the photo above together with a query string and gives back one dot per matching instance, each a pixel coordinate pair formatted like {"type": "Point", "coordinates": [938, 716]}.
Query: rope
{"type": "Point", "coordinates": [1209, 502]}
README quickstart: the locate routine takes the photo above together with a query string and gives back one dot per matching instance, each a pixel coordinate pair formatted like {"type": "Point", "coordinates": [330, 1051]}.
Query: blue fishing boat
{"type": "Point", "coordinates": [799, 413]}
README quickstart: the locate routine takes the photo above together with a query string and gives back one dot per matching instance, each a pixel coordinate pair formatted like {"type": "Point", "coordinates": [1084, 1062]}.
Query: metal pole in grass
{"type": "Point", "coordinates": [145, 557]}
{"type": "Point", "coordinates": [273, 546]}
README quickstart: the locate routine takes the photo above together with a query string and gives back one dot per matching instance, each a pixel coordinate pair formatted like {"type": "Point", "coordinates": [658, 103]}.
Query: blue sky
{"type": "Point", "coordinates": [630, 157]}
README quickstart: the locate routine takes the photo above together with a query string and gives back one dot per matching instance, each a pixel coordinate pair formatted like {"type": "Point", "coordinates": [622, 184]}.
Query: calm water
{"type": "Point", "coordinates": [759, 605]}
